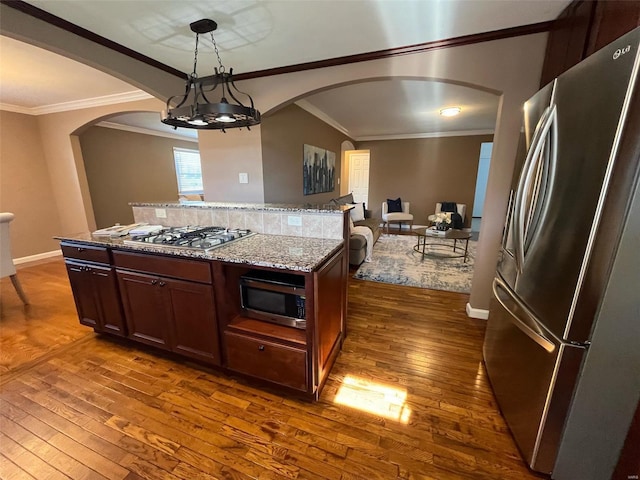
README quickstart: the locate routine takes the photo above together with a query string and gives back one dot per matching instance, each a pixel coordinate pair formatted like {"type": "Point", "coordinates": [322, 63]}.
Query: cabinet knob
{"type": "Point", "coordinates": [162, 284]}
{"type": "Point", "coordinates": [153, 282]}
{"type": "Point", "coordinates": [80, 249]}
{"type": "Point", "coordinates": [261, 347]}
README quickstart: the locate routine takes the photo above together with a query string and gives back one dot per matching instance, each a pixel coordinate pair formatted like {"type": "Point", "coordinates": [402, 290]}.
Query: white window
{"type": "Point", "coordinates": [188, 171]}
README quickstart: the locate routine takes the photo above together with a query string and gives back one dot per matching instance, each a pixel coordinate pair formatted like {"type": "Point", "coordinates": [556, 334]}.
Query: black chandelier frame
{"type": "Point", "coordinates": [194, 110]}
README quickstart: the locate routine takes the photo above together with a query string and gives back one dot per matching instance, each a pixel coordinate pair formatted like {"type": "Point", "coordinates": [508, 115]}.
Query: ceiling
{"type": "Point", "coordinates": [253, 35]}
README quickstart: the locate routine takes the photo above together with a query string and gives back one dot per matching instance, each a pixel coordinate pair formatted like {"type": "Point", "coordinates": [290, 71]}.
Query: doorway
{"type": "Point", "coordinates": [358, 162]}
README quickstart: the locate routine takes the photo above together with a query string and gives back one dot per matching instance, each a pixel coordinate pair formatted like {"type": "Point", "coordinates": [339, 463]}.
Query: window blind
{"type": "Point", "coordinates": [188, 171]}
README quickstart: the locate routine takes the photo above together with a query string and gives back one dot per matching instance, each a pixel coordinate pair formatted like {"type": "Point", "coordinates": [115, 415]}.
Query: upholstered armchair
{"type": "Point", "coordinates": [461, 209]}
{"type": "Point", "coordinates": [7, 269]}
{"type": "Point", "coordinates": [396, 217]}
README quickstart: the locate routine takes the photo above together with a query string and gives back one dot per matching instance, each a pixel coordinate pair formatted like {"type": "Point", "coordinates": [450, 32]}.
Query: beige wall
{"type": "Point", "coordinates": [25, 187]}
{"type": "Point", "coordinates": [284, 135]}
{"type": "Point", "coordinates": [123, 167]}
{"type": "Point", "coordinates": [61, 150]}
{"type": "Point", "coordinates": [424, 171]}
{"type": "Point", "coordinates": [224, 156]}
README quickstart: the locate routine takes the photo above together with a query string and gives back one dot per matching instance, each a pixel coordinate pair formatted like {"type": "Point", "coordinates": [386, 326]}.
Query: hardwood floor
{"type": "Point", "coordinates": [408, 398]}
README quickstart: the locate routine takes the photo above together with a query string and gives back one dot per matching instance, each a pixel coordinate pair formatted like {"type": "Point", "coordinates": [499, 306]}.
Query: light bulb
{"type": "Point", "coordinates": [197, 120]}
{"type": "Point", "coordinates": [225, 119]}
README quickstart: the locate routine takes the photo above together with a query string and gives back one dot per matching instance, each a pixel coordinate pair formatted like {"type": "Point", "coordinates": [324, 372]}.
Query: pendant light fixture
{"type": "Point", "coordinates": [195, 110]}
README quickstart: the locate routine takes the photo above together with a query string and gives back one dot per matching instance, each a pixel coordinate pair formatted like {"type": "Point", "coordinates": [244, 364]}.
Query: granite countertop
{"type": "Point", "coordinates": [278, 207]}
{"type": "Point", "coordinates": [275, 251]}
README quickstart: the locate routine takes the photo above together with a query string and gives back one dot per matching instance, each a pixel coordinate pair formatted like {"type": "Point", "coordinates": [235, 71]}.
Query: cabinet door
{"type": "Point", "coordinates": [144, 308]}
{"type": "Point", "coordinates": [84, 295]}
{"type": "Point", "coordinates": [105, 287]}
{"type": "Point", "coordinates": [194, 324]}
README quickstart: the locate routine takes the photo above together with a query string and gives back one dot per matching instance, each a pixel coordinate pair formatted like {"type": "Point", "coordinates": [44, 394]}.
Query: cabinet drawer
{"type": "Point", "coordinates": [89, 253]}
{"type": "Point", "coordinates": [270, 361]}
{"type": "Point", "coordinates": [185, 269]}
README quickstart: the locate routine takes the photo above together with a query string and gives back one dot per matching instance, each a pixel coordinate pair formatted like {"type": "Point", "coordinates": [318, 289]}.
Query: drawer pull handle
{"type": "Point", "coordinates": [261, 348]}
{"type": "Point", "coordinates": [80, 249]}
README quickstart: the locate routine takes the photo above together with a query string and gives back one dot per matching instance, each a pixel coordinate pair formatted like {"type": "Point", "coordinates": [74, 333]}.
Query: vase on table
{"type": "Point", "coordinates": [442, 226]}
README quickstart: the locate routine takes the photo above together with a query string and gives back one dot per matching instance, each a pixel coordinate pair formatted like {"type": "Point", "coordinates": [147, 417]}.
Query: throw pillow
{"type": "Point", "coordinates": [357, 212]}
{"type": "Point", "coordinates": [394, 205]}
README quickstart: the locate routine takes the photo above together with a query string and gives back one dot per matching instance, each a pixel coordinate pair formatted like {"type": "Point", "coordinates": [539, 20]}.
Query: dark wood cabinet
{"type": "Point", "coordinates": [299, 359]}
{"type": "Point", "coordinates": [170, 313]}
{"type": "Point", "coordinates": [567, 41]}
{"type": "Point", "coordinates": [194, 326]}
{"type": "Point", "coordinates": [192, 307]}
{"type": "Point", "coordinates": [144, 307]}
{"type": "Point", "coordinates": [611, 20]}
{"type": "Point", "coordinates": [584, 27]}
{"type": "Point", "coordinates": [95, 290]}
{"type": "Point", "coordinates": [268, 360]}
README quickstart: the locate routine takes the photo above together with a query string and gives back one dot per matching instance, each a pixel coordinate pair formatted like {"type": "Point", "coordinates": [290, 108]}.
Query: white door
{"type": "Point", "coordinates": [359, 175]}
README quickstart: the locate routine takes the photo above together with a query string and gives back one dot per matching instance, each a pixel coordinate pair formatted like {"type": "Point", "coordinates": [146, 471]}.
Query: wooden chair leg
{"type": "Point", "coordinates": [18, 287]}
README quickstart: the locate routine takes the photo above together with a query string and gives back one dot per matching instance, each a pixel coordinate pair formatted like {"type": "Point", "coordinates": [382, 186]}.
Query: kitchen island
{"type": "Point", "coordinates": [189, 302]}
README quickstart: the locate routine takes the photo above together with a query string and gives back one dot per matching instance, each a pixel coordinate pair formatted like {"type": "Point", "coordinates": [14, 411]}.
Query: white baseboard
{"type": "Point", "coordinates": [477, 312]}
{"type": "Point", "coordinates": [37, 257]}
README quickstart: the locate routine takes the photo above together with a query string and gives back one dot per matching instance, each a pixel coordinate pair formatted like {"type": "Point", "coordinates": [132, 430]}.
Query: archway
{"type": "Point", "coordinates": [128, 157]}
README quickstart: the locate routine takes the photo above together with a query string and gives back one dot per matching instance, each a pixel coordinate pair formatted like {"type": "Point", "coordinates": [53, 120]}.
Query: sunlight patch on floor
{"type": "Point", "coordinates": [373, 397]}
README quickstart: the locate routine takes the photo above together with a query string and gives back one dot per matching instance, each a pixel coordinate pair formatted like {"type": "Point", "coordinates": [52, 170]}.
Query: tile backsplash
{"type": "Point", "coordinates": [272, 222]}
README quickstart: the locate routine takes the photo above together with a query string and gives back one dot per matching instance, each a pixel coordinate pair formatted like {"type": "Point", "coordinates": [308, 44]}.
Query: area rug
{"type": "Point", "coordinates": [395, 261]}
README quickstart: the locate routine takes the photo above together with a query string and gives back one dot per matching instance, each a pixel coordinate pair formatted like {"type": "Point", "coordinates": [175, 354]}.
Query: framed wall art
{"type": "Point", "coordinates": [319, 170]}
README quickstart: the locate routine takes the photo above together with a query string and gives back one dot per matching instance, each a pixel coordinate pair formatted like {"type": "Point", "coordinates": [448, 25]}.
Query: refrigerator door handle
{"type": "Point", "coordinates": [534, 334]}
{"type": "Point", "coordinates": [547, 120]}
{"type": "Point", "coordinates": [507, 222]}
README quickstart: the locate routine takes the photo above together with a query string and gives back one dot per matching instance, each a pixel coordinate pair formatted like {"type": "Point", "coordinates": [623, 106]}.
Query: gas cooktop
{"type": "Point", "coordinates": [190, 237]}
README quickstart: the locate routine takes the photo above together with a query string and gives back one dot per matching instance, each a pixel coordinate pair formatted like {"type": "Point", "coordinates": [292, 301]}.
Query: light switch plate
{"type": "Point", "coordinates": [161, 213]}
{"type": "Point", "coordinates": [244, 177]}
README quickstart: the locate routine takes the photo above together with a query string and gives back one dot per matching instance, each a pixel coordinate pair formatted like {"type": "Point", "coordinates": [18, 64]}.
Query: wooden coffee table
{"type": "Point", "coordinates": [442, 249]}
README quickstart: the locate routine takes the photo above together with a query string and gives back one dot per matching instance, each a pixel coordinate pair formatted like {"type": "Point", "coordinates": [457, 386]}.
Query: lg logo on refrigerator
{"type": "Point", "coordinates": [621, 51]}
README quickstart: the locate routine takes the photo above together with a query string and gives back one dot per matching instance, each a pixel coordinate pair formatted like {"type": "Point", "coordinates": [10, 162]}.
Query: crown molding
{"type": "Point", "coordinates": [316, 112]}
{"type": "Point", "coordinates": [471, 39]}
{"type": "Point", "coordinates": [92, 102]}
{"type": "Point", "coordinates": [461, 133]}
{"type": "Point", "coordinates": [15, 109]}
{"type": "Point", "coordinates": [78, 104]}
{"type": "Point", "coordinates": [146, 131]}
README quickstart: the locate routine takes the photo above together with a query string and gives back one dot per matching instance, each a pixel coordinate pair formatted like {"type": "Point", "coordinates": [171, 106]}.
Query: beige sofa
{"type": "Point", "coordinates": [358, 243]}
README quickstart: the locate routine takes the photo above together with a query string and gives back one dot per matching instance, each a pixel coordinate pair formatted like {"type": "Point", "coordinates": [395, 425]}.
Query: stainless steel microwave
{"type": "Point", "coordinates": [274, 297]}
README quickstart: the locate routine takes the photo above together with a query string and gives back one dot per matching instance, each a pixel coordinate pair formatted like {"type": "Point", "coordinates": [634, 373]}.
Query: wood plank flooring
{"type": "Point", "coordinates": [408, 398]}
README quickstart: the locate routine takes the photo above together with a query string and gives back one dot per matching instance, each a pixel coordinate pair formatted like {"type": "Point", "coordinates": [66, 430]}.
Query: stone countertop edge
{"type": "Point", "coordinates": [261, 250]}
{"type": "Point", "coordinates": [275, 207]}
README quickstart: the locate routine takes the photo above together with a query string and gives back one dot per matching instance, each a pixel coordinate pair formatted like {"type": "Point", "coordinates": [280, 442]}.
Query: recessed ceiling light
{"type": "Point", "coordinates": [450, 111]}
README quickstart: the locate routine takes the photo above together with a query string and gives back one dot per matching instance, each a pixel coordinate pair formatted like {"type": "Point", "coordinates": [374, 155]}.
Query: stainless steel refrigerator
{"type": "Point", "coordinates": [576, 171]}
